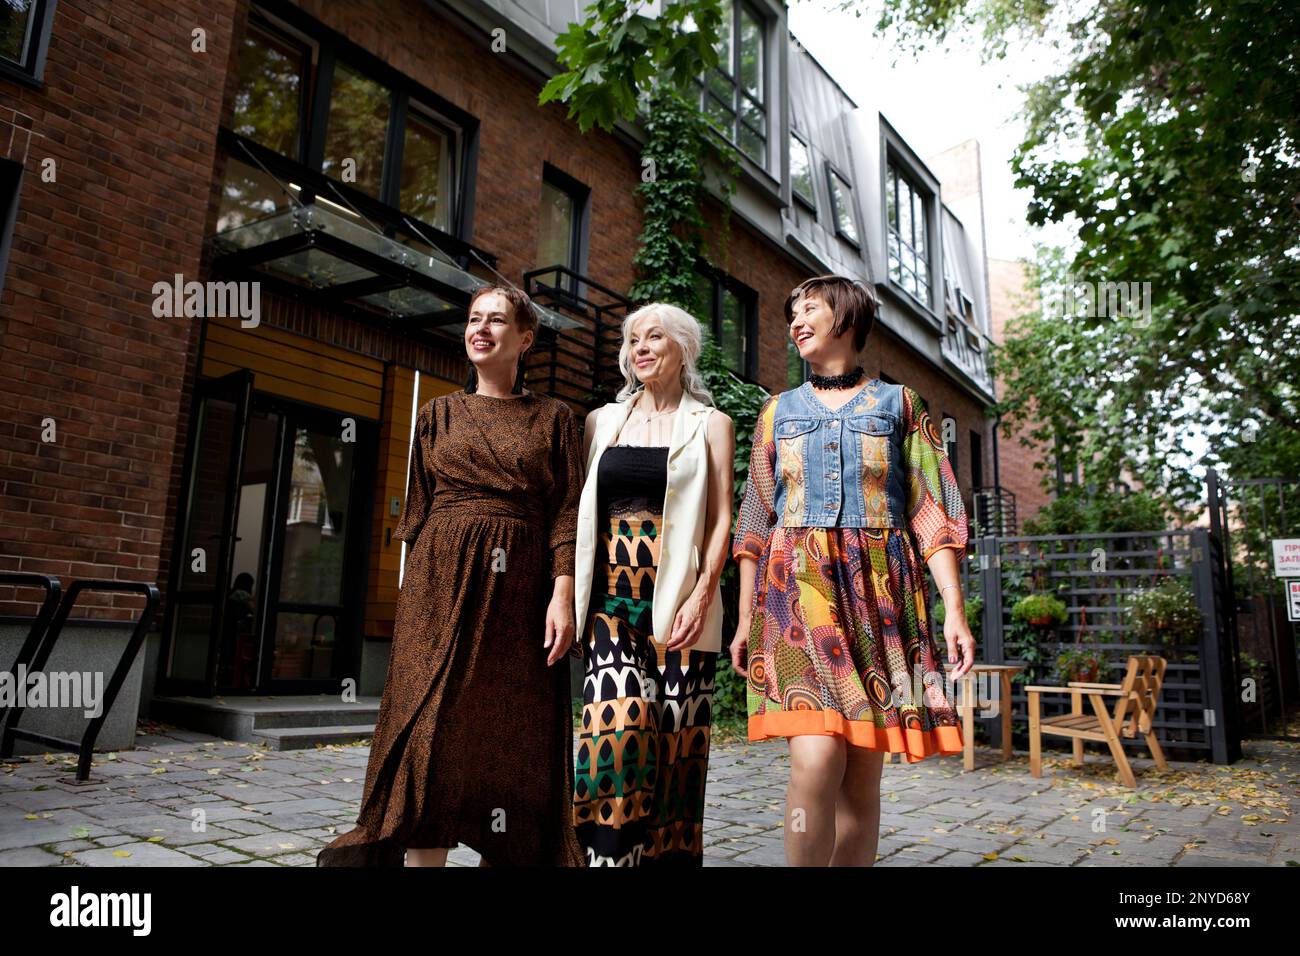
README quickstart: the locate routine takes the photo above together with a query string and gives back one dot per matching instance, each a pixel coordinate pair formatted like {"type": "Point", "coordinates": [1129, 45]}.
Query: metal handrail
{"type": "Point", "coordinates": [86, 746]}
{"type": "Point", "coordinates": [53, 591]}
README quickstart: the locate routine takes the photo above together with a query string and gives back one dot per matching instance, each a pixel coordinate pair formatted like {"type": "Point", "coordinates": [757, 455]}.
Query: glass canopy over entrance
{"type": "Point", "coordinates": [335, 261]}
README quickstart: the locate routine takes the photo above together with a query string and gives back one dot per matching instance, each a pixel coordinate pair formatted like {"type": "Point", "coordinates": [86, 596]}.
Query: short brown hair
{"type": "Point", "coordinates": [854, 307]}
{"type": "Point", "coordinates": [522, 306]}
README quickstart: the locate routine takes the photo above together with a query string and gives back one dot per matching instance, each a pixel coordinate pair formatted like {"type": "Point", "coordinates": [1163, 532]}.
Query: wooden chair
{"type": "Point", "coordinates": [1135, 709]}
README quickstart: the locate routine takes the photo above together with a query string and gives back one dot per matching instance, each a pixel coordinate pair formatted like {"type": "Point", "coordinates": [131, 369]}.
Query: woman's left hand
{"type": "Point", "coordinates": [961, 644]}
{"type": "Point", "coordinates": [559, 627]}
{"type": "Point", "coordinates": [688, 625]}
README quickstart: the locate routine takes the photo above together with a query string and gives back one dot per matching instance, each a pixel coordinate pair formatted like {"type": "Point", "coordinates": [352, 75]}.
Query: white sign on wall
{"type": "Point", "coordinates": [1286, 557]}
{"type": "Point", "coordinates": [1293, 600]}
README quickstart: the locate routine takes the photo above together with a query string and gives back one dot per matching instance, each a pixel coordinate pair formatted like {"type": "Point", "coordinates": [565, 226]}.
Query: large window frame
{"type": "Point", "coordinates": [726, 78]}
{"type": "Point", "coordinates": [325, 51]}
{"type": "Point", "coordinates": [29, 68]}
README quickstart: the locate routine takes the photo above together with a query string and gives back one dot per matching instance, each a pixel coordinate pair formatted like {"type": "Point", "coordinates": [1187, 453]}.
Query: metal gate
{"type": "Point", "coordinates": [1245, 516]}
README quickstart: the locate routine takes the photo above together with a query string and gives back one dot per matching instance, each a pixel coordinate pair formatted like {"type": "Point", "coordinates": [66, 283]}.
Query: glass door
{"type": "Point", "coordinates": [319, 548]}
{"type": "Point", "coordinates": [201, 575]}
{"type": "Point", "coordinates": [270, 570]}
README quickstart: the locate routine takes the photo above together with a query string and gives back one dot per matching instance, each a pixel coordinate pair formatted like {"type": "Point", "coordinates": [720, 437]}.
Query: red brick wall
{"type": "Point", "coordinates": [129, 114]}
{"type": "Point", "coordinates": [1007, 289]}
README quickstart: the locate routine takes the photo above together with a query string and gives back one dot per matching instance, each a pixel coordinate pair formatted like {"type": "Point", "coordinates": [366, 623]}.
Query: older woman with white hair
{"type": "Point", "coordinates": [654, 524]}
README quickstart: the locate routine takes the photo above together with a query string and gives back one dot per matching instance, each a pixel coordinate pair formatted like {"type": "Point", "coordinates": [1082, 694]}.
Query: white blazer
{"type": "Point", "coordinates": [681, 533]}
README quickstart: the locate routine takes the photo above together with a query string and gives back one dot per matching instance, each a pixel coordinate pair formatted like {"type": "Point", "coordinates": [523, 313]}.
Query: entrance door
{"type": "Point", "coordinates": [313, 620]}
{"type": "Point", "coordinates": [289, 552]}
{"type": "Point", "coordinates": [201, 573]}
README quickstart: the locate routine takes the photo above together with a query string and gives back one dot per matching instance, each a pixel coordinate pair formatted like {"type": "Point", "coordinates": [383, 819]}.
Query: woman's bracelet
{"type": "Point", "coordinates": [946, 587]}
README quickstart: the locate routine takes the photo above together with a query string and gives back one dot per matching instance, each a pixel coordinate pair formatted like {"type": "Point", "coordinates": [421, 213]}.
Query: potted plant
{"type": "Point", "coordinates": [1081, 662]}
{"type": "Point", "coordinates": [1165, 614]}
{"type": "Point", "coordinates": [1039, 610]}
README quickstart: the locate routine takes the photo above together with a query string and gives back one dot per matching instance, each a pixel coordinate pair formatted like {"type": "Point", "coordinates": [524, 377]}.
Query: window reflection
{"type": "Point", "coordinates": [17, 22]}
{"type": "Point", "coordinates": [841, 205]}
{"type": "Point", "coordinates": [314, 531]}
{"type": "Point", "coordinates": [555, 234]}
{"type": "Point", "coordinates": [357, 130]}
{"type": "Point", "coordinates": [248, 194]}
{"type": "Point", "coordinates": [725, 310]}
{"type": "Point", "coordinates": [268, 102]}
{"type": "Point", "coordinates": [801, 177]}
{"type": "Point", "coordinates": [427, 171]}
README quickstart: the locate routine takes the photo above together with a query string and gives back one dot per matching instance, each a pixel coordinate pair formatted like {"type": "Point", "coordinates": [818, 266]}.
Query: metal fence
{"type": "Point", "coordinates": [1095, 575]}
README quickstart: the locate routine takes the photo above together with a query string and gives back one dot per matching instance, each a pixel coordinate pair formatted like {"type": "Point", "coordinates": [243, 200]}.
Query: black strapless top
{"type": "Point", "coordinates": [632, 478]}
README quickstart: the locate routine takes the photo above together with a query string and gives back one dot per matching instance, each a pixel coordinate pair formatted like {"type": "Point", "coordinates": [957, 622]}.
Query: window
{"type": "Point", "coordinates": [842, 205]}
{"type": "Point", "coordinates": [11, 176]}
{"type": "Point", "coordinates": [906, 213]}
{"type": "Point", "coordinates": [269, 98]}
{"type": "Point", "coordinates": [428, 169]}
{"type": "Point", "coordinates": [976, 460]}
{"type": "Point", "coordinates": [730, 313]}
{"type": "Point", "coordinates": [24, 38]}
{"type": "Point", "coordinates": [561, 225]}
{"type": "Point", "coordinates": [801, 174]}
{"type": "Point", "coordinates": [340, 112]}
{"type": "Point", "coordinates": [733, 94]}
{"type": "Point", "coordinates": [357, 129]}
{"type": "Point", "coordinates": [948, 426]}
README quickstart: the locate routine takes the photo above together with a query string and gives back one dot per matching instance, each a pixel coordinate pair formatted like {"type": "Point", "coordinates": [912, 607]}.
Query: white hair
{"type": "Point", "coordinates": [682, 328]}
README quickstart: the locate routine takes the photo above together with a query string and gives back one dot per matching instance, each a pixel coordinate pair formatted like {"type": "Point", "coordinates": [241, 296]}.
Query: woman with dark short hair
{"type": "Point", "coordinates": [474, 741]}
{"type": "Point", "coordinates": [849, 495]}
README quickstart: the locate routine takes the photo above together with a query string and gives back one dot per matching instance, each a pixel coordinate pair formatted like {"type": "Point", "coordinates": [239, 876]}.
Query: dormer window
{"type": "Point", "coordinates": [907, 212]}
{"type": "Point", "coordinates": [842, 210]}
{"type": "Point", "coordinates": [801, 173]}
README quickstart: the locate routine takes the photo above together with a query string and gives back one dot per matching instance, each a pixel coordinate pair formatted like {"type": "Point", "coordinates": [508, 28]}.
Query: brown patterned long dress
{"type": "Point", "coordinates": [474, 739]}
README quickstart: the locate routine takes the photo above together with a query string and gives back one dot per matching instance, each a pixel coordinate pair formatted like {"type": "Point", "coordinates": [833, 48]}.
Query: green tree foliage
{"type": "Point", "coordinates": [1169, 136]}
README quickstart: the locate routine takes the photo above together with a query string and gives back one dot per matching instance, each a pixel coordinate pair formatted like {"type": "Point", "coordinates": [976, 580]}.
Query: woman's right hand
{"type": "Point", "coordinates": [740, 649]}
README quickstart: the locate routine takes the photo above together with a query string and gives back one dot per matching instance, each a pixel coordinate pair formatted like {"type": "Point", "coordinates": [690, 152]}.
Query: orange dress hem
{"type": "Point", "coordinates": [915, 745]}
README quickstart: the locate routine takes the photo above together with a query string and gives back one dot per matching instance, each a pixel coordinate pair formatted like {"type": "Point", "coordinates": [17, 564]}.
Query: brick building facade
{"type": "Point", "coordinates": [156, 140]}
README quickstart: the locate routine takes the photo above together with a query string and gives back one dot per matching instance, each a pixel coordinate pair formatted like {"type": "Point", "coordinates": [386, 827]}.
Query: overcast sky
{"type": "Point", "coordinates": [936, 101]}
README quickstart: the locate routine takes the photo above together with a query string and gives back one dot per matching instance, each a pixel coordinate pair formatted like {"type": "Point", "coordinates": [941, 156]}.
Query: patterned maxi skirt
{"type": "Point", "coordinates": [840, 643]}
{"type": "Point", "coordinates": [643, 751]}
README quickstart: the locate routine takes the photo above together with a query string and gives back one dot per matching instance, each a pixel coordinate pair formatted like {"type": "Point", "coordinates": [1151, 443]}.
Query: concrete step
{"type": "Point", "coordinates": [243, 718]}
{"type": "Point", "coordinates": [305, 738]}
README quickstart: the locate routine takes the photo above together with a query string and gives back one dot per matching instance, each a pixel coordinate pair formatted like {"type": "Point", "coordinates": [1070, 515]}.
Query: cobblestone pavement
{"type": "Point", "coordinates": [265, 808]}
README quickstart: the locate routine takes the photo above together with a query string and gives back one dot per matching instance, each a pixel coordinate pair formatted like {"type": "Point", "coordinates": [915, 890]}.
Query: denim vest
{"type": "Point", "coordinates": [844, 467]}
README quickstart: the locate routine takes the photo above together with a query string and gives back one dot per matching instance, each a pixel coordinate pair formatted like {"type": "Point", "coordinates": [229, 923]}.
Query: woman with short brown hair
{"type": "Point", "coordinates": [849, 495]}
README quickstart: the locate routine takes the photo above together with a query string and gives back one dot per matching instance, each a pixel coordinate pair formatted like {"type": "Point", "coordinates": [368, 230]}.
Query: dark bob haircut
{"type": "Point", "coordinates": [853, 306]}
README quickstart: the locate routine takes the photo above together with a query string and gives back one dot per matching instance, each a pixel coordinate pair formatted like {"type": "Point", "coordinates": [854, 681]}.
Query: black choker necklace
{"type": "Point", "coordinates": [847, 380]}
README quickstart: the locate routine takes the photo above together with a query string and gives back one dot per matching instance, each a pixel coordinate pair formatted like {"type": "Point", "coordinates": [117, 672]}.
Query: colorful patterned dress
{"type": "Point", "coordinates": [643, 751]}
{"type": "Point", "coordinates": [840, 640]}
